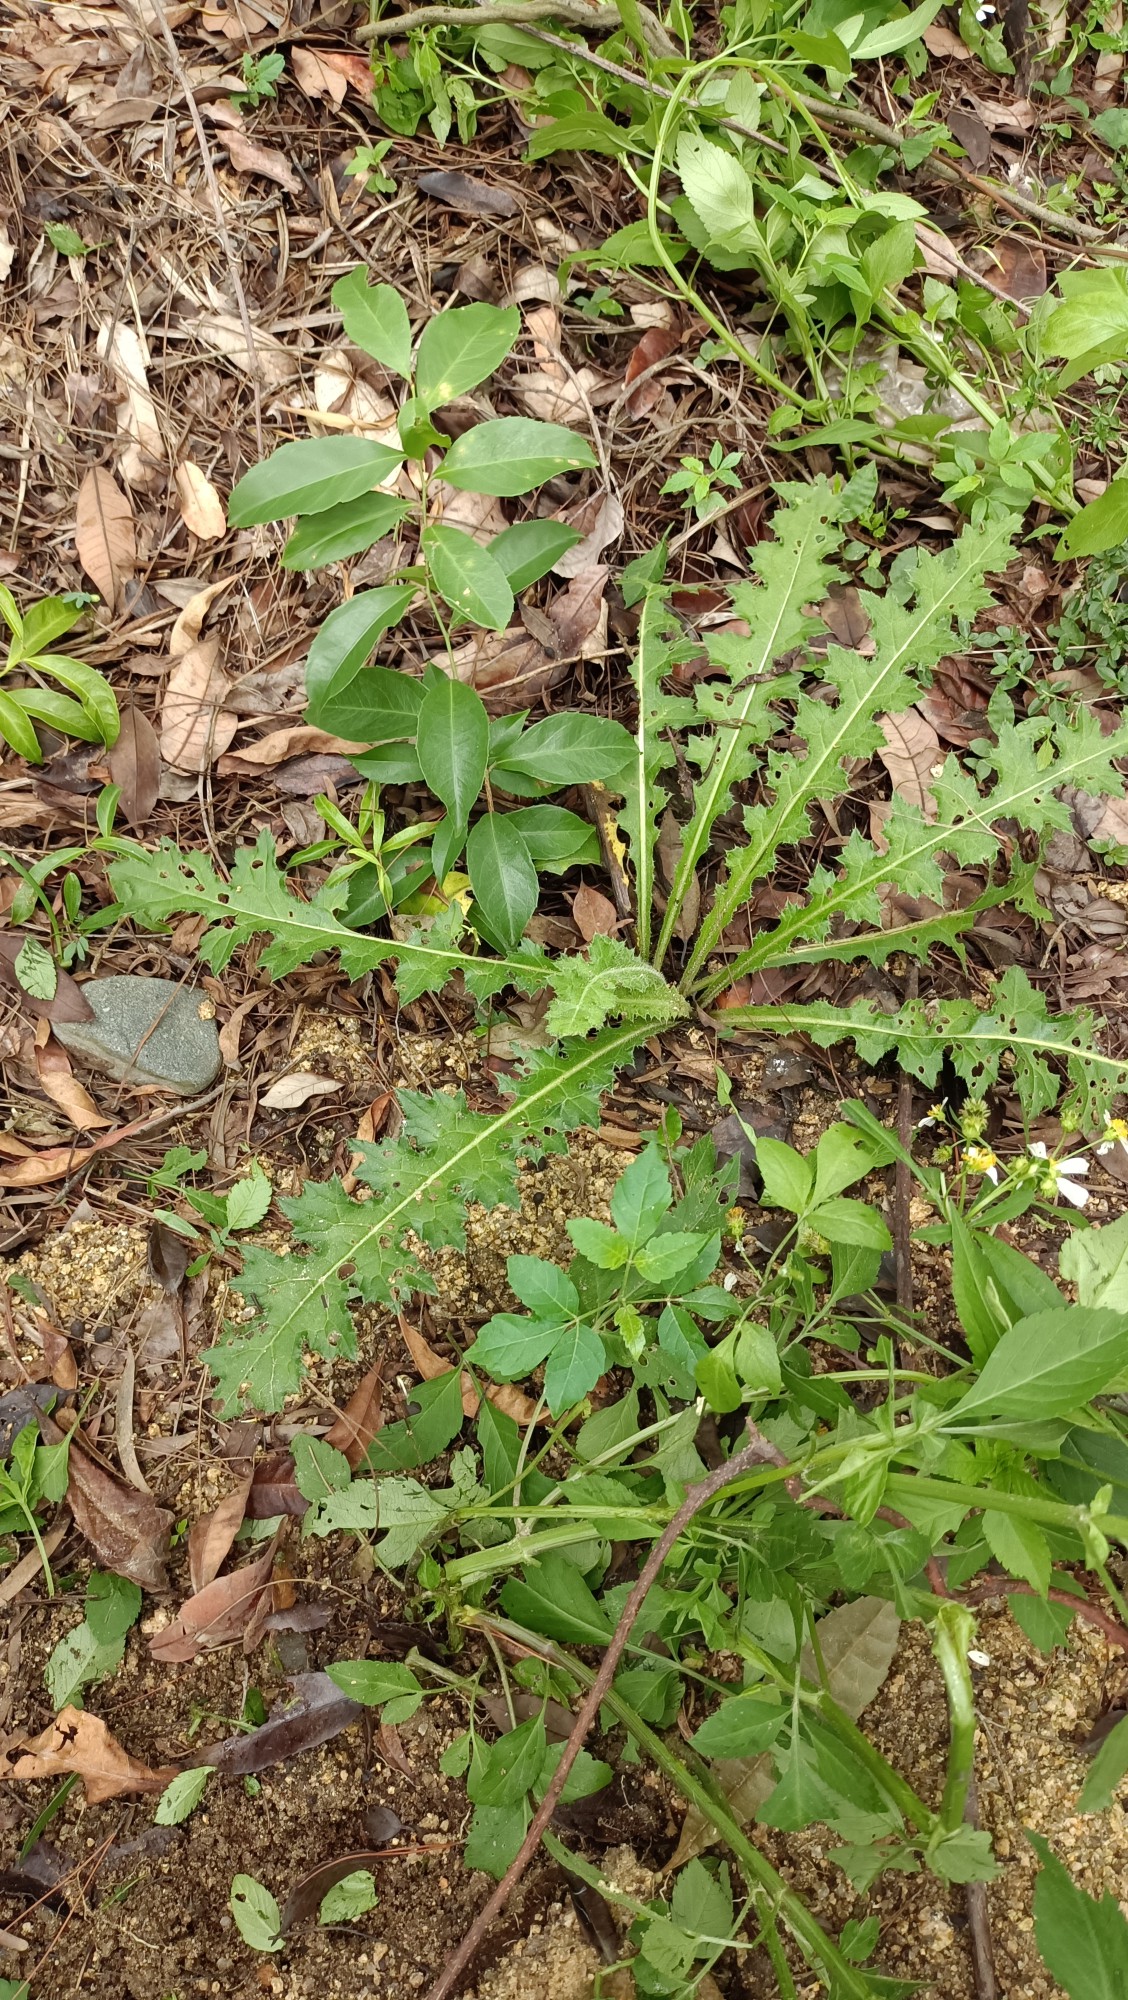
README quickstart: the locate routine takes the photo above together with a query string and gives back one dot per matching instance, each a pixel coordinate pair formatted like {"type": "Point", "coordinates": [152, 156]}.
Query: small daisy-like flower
{"type": "Point", "coordinates": [937, 1115]}
{"type": "Point", "coordinates": [984, 14]}
{"type": "Point", "coordinates": [1115, 1134]}
{"type": "Point", "coordinates": [1061, 1178]}
{"type": "Point", "coordinates": [981, 1160]}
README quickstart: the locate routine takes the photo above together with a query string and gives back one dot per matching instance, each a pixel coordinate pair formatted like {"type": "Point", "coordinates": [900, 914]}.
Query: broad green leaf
{"type": "Point", "coordinates": [375, 319]}
{"type": "Point", "coordinates": [510, 1346]}
{"type": "Point", "coordinates": [502, 878]}
{"type": "Point", "coordinates": [496, 1833]}
{"type": "Point", "coordinates": [1090, 327]}
{"type": "Point", "coordinates": [36, 970]}
{"type": "Point", "coordinates": [319, 1468]}
{"type": "Point", "coordinates": [45, 622]}
{"type": "Point", "coordinates": [58, 711]}
{"type": "Point", "coordinates": [843, 1221]}
{"type": "Point", "coordinates": [435, 1417]}
{"type": "Point", "coordinates": [664, 1257]}
{"type": "Point", "coordinates": [527, 551]}
{"type": "Point", "coordinates": [458, 349]}
{"type": "Point", "coordinates": [1096, 1261]}
{"type": "Point", "coordinates": [1084, 1943]}
{"type": "Point", "coordinates": [743, 1725]}
{"type": "Point", "coordinates": [113, 1604]}
{"type": "Point", "coordinates": [343, 531]}
{"type": "Point", "coordinates": [1107, 1772]}
{"type": "Point", "coordinates": [1102, 524]}
{"type": "Point", "coordinates": [249, 1199]}
{"type": "Point", "coordinates": [587, 1776]}
{"type": "Point", "coordinates": [349, 1898]}
{"type": "Point", "coordinates": [555, 837]}
{"type": "Point", "coordinates": [569, 749]}
{"type": "Point", "coordinates": [256, 1913]}
{"type": "Point", "coordinates": [452, 740]}
{"type": "Point", "coordinates": [720, 192]}
{"type": "Point", "coordinates": [309, 476]}
{"type": "Point", "coordinates": [542, 1286]}
{"type": "Point", "coordinates": [642, 1195]}
{"type": "Point", "coordinates": [610, 981]}
{"type": "Point", "coordinates": [409, 1514]}
{"type": "Point", "coordinates": [510, 1768]}
{"type": "Point", "coordinates": [577, 1361]}
{"type": "Point", "coordinates": [552, 1598]}
{"type": "Point", "coordinates": [467, 578]}
{"type": "Point", "coordinates": [602, 1246]}
{"type": "Point", "coordinates": [336, 688]}
{"type": "Point", "coordinates": [372, 1682]}
{"type": "Point", "coordinates": [1019, 1545]}
{"type": "Point", "coordinates": [93, 691]}
{"type": "Point", "coordinates": [788, 1178]}
{"type": "Point", "coordinates": [1048, 1365]}
{"type": "Point", "coordinates": [510, 455]}
{"type": "Point", "coordinates": [896, 34]}
{"type": "Point", "coordinates": [369, 705]}
{"type": "Point", "coordinates": [182, 1795]}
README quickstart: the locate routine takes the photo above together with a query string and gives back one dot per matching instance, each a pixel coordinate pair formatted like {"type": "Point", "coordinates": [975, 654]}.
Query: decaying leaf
{"type": "Point", "coordinates": [211, 1538]}
{"type": "Point", "coordinates": [248, 157]}
{"type": "Point", "coordinates": [656, 345]}
{"type": "Point", "coordinates": [467, 195]}
{"type": "Point", "coordinates": [190, 621]}
{"type": "Point", "coordinates": [314, 74]}
{"type": "Point", "coordinates": [218, 1615]}
{"type": "Point", "coordinates": [64, 1089]}
{"type": "Point", "coordinates": [299, 1087]}
{"type": "Point", "coordinates": [361, 1418]}
{"type": "Point", "coordinates": [911, 755]}
{"type": "Point", "coordinates": [78, 1741]}
{"type": "Point", "coordinates": [593, 914]}
{"type": "Point", "coordinates": [126, 1529]}
{"type": "Point", "coordinates": [134, 763]}
{"type": "Point", "coordinates": [298, 739]}
{"type": "Point", "coordinates": [274, 1489]}
{"type": "Point", "coordinates": [319, 1712]}
{"type": "Point", "coordinates": [104, 534]}
{"type": "Point", "coordinates": [201, 508]}
{"type": "Point", "coordinates": [126, 352]}
{"type": "Point", "coordinates": [195, 726]}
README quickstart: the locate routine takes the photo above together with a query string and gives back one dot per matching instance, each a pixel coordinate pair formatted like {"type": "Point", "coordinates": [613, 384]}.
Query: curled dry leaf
{"type": "Point", "coordinates": [600, 522]}
{"type": "Point", "coordinates": [195, 726]}
{"type": "Point", "coordinates": [80, 1742]}
{"type": "Point", "coordinates": [296, 1089]}
{"type": "Point", "coordinates": [509, 669]}
{"type": "Point", "coordinates": [274, 1490]}
{"type": "Point", "coordinates": [503, 1395]}
{"type": "Point", "coordinates": [219, 1614]}
{"type": "Point", "coordinates": [942, 42]}
{"type": "Point", "coordinates": [656, 345]}
{"type": "Point", "coordinates": [467, 195]}
{"type": "Point", "coordinates": [201, 508]}
{"type": "Point", "coordinates": [298, 740]}
{"type": "Point", "coordinates": [579, 615]}
{"type": "Point", "coordinates": [317, 76]}
{"type": "Point", "coordinates": [126, 1529]}
{"type": "Point", "coordinates": [248, 157]}
{"type": "Point", "coordinates": [127, 354]}
{"type": "Point", "coordinates": [319, 1712]}
{"type": "Point", "coordinates": [211, 1539]}
{"type": "Point", "coordinates": [271, 363]}
{"type": "Point", "coordinates": [167, 1254]}
{"type": "Point", "coordinates": [52, 1065]}
{"type": "Point", "coordinates": [29, 1168]}
{"type": "Point", "coordinates": [910, 754]}
{"type": "Point", "coordinates": [941, 258]}
{"type": "Point", "coordinates": [190, 621]}
{"type": "Point", "coordinates": [134, 763]}
{"type": "Point", "coordinates": [104, 534]}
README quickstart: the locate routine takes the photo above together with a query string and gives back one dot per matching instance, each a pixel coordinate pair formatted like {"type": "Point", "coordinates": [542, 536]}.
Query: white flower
{"type": "Point", "coordinates": [1115, 1134]}
{"type": "Point", "coordinates": [1061, 1178]}
{"type": "Point", "coordinates": [981, 1160]}
{"type": "Point", "coordinates": [983, 14]}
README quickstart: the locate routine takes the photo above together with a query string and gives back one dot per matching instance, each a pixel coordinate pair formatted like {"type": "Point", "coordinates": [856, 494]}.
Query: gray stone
{"type": "Point", "coordinates": [147, 1031]}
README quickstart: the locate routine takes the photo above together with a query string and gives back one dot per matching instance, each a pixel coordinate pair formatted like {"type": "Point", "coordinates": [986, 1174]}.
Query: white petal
{"type": "Point", "coordinates": [1077, 1196]}
{"type": "Point", "coordinates": [1038, 1150]}
{"type": "Point", "coordinates": [991, 1174]}
{"type": "Point", "coordinates": [1076, 1164]}
{"type": "Point", "coordinates": [1110, 1147]}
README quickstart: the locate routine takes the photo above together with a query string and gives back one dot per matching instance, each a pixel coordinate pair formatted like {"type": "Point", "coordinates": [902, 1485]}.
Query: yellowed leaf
{"type": "Point", "coordinates": [104, 534]}
{"type": "Point", "coordinates": [201, 508]}
{"type": "Point", "coordinates": [195, 726]}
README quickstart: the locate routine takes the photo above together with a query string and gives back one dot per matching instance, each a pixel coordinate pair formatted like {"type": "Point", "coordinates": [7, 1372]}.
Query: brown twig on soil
{"type": "Point", "coordinates": [224, 233]}
{"type": "Point", "coordinates": [515, 13]}
{"type": "Point", "coordinates": [978, 1918]}
{"type": "Point", "coordinates": [756, 1452]}
{"type": "Point", "coordinates": [1006, 1586]}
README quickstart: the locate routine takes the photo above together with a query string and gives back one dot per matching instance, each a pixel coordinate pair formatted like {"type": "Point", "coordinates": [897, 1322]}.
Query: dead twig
{"type": "Point", "coordinates": [978, 1918]}
{"type": "Point", "coordinates": [516, 13]}
{"type": "Point", "coordinates": [699, 1496]}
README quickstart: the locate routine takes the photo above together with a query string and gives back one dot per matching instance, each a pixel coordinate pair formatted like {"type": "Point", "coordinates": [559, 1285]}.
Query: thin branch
{"type": "Point", "coordinates": [515, 13]}
{"type": "Point", "coordinates": [699, 1496]}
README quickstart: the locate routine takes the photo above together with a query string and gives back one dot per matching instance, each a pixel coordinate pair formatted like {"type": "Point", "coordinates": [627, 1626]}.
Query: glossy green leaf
{"type": "Point", "coordinates": [459, 348]}
{"type": "Point", "coordinates": [510, 1767]}
{"type": "Point", "coordinates": [58, 711]}
{"type": "Point", "coordinates": [47, 621]}
{"type": "Point", "coordinates": [527, 551]}
{"type": "Point", "coordinates": [340, 652]}
{"type": "Point", "coordinates": [349, 1898]}
{"type": "Point", "coordinates": [452, 740]}
{"type": "Point", "coordinates": [577, 1361]}
{"type": "Point", "coordinates": [743, 1726]}
{"type": "Point", "coordinates": [570, 749]}
{"type": "Point", "coordinates": [375, 319]}
{"type": "Point", "coordinates": [503, 879]}
{"type": "Point", "coordinates": [182, 1795]}
{"type": "Point", "coordinates": [1102, 524]}
{"type": "Point", "coordinates": [1108, 1770]}
{"type": "Point", "coordinates": [555, 837]}
{"type": "Point", "coordinates": [788, 1178]}
{"type": "Point", "coordinates": [92, 689]}
{"type": "Point", "coordinates": [372, 1682]}
{"type": "Point", "coordinates": [553, 1598]}
{"type": "Point", "coordinates": [843, 1221]}
{"type": "Point", "coordinates": [16, 729]}
{"type": "Point", "coordinates": [467, 578]}
{"type": "Point", "coordinates": [511, 455]}
{"type": "Point", "coordinates": [309, 476]}
{"type": "Point", "coordinates": [343, 531]}
{"type": "Point", "coordinates": [1047, 1366]}
{"type": "Point", "coordinates": [256, 1913]}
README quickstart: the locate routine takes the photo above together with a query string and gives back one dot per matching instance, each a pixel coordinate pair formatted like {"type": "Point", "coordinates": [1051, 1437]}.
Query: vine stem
{"type": "Point", "coordinates": [699, 1496]}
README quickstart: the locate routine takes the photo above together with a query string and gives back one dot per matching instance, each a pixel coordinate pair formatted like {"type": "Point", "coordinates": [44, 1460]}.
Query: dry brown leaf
{"type": "Point", "coordinates": [190, 622]}
{"type": "Point", "coordinates": [356, 70]}
{"type": "Point", "coordinates": [1018, 268]}
{"type": "Point", "coordinates": [361, 1418]}
{"type": "Point", "coordinates": [941, 258]}
{"type": "Point", "coordinates": [971, 133]}
{"type": "Point", "coordinates": [317, 76]}
{"type": "Point", "coordinates": [510, 669]}
{"type": "Point", "coordinates": [104, 534]}
{"type": "Point", "coordinates": [126, 1529]}
{"type": "Point", "coordinates": [219, 1614]}
{"type": "Point", "coordinates": [942, 42]}
{"type": "Point", "coordinates": [667, 853]}
{"type": "Point", "coordinates": [467, 195]}
{"type": "Point", "coordinates": [195, 726]}
{"type": "Point", "coordinates": [579, 615]}
{"type": "Point", "coordinates": [911, 755]}
{"type": "Point", "coordinates": [248, 157]}
{"type": "Point", "coordinates": [134, 763]}
{"type": "Point", "coordinates": [126, 353]}
{"type": "Point", "coordinates": [201, 508]}
{"type": "Point", "coordinates": [211, 1539]}
{"type": "Point", "coordinates": [594, 915]}
{"type": "Point", "coordinates": [79, 1741]}
{"type": "Point", "coordinates": [299, 739]}
{"type": "Point", "coordinates": [656, 345]}
{"type": "Point", "coordinates": [64, 1089]}
{"type": "Point", "coordinates": [600, 521]}
{"type": "Point", "coordinates": [34, 1169]}
{"type": "Point", "coordinates": [297, 1088]}
{"type": "Point", "coordinates": [30, 1566]}
{"type": "Point", "coordinates": [271, 363]}
{"type": "Point", "coordinates": [503, 1395]}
